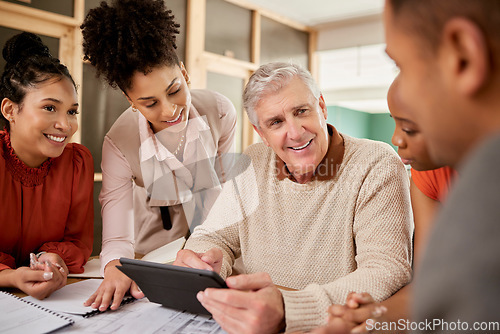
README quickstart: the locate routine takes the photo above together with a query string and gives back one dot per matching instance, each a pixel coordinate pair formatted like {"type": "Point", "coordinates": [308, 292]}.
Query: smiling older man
{"type": "Point", "coordinates": [310, 209]}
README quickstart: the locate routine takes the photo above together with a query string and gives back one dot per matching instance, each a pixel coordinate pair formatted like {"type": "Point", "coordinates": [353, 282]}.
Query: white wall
{"type": "Point", "coordinates": [349, 33]}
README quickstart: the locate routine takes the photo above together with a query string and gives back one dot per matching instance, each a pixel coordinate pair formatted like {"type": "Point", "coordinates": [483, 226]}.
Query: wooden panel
{"type": "Point", "coordinates": [229, 66]}
{"type": "Point", "coordinates": [313, 55]}
{"type": "Point", "coordinates": [256, 37]}
{"type": "Point", "coordinates": [79, 10]}
{"type": "Point", "coordinates": [271, 15]}
{"type": "Point", "coordinates": [32, 24]}
{"type": "Point", "coordinates": [11, 9]}
{"type": "Point", "coordinates": [195, 43]}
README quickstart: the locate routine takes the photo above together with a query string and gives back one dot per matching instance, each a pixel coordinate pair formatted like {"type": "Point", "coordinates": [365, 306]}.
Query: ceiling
{"type": "Point", "coordinates": [319, 12]}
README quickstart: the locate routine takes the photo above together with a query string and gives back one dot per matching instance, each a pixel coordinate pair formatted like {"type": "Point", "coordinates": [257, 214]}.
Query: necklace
{"type": "Point", "coordinates": [180, 144]}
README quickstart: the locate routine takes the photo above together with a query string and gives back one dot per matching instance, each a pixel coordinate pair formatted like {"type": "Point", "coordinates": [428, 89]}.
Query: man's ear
{"type": "Point", "coordinates": [261, 135]}
{"type": "Point", "coordinates": [8, 108]}
{"type": "Point", "coordinates": [466, 55]}
{"type": "Point", "coordinates": [322, 105]}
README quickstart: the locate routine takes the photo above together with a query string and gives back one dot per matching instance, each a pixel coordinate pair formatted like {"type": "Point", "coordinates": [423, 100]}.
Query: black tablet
{"type": "Point", "coordinates": [172, 286]}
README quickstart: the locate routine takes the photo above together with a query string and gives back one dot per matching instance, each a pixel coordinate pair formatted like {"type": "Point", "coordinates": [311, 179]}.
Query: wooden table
{"type": "Point", "coordinates": [71, 280]}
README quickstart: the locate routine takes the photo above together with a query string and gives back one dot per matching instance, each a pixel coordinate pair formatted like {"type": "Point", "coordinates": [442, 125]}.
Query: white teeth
{"type": "Point", "coordinates": [301, 147]}
{"type": "Point", "coordinates": [175, 120]}
{"type": "Point", "coordinates": [57, 139]}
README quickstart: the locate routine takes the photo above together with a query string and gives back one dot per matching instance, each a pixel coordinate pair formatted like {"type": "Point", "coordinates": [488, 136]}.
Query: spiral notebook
{"type": "Point", "coordinates": [21, 316]}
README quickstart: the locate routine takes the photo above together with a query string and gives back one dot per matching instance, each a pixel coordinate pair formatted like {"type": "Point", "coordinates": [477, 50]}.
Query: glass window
{"type": "Point", "coordinates": [92, 3]}
{"type": "Point", "coordinates": [232, 88]}
{"type": "Point", "coordinates": [101, 106]}
{"type": "Point", "coordinates": [283, 43]}
{"type": "Point", "coordinates": [7, 33]}
{"type": "Point", "coordinates": [179, 10]}
{"type": "Point", "coordinates": [228, 30]}
{"type": "Point", "coordinates": [357, 78]}
{"type": "Point", "coordinates": [63, 7]}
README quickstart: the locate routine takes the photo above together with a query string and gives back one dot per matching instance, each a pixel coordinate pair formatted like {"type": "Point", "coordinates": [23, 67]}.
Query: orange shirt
{"type": "Point", "coordinates": [48, 208]}
{"type": "Point", "coordinates": [434, 183]}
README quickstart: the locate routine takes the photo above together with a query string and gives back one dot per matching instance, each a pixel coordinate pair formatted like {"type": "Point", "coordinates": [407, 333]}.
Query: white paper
{"type": "Point", "coordinates": [144, 317]}
{"type": "Point", "coordinates": [167, 253]}
{"type": "Point", "coordinates": [70, 298]}
{"type": "Point", "coordinates": [92, 269]}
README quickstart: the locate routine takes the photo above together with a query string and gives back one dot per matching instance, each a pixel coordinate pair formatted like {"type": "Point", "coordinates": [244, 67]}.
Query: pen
{"type": "Point", "coordinates": [34, 262]}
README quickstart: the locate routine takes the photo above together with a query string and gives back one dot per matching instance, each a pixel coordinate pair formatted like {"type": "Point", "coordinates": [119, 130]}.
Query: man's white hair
{"type": "Point", "coordinates": [269, 79]}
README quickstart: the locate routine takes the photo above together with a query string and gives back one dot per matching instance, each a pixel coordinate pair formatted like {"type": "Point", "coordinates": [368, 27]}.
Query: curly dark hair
{"type": "Point", "coordinates": [129, 36]}
{"type": "Point", "coordinates": [29, 63]}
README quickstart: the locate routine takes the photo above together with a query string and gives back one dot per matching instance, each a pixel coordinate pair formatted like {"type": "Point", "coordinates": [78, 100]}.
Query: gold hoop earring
{"type": "Point", "coordinates": [134, 109]}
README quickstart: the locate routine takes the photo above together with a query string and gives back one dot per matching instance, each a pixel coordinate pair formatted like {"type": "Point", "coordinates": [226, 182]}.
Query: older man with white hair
{"type": "Point", "coordinates": [309, 209]}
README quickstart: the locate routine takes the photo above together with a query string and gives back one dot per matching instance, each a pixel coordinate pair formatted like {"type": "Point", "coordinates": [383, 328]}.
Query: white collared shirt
{"type": "Point", "coordinates": [169, 181]}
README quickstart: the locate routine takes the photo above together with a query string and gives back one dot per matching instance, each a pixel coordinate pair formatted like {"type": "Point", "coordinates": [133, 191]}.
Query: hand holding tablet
{"type": "Point", "coordinates": [172, 286]}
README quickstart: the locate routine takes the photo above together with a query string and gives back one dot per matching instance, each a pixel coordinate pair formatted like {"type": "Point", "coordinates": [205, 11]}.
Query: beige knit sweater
{"type": "Point", "coordinates": [323, 238]}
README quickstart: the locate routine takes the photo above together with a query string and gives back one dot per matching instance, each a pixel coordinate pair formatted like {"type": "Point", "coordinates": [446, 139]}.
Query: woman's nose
{"type": "Point", "coordinates": [63, 123]}
{"type": "Point", "coordinates": [170, 109]}
{"type": "Point", "coordinates": [397, 140]}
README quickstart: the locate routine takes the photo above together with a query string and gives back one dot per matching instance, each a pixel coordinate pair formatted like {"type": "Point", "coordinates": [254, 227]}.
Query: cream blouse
{"type": "Point", "coordinates": [190, 186]}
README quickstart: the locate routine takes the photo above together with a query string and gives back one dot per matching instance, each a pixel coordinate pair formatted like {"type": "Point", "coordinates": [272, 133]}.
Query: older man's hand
{"type": "Point", "coordinates": [210, 260]}
{"type": "Point", "coordinates": [252, 304]}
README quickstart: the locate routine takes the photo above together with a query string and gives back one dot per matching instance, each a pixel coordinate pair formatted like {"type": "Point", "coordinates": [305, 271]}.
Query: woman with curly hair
{"type": "Point", "coordinates": [46, 183]}
{"type": "Point", "coordinates": [164, 159]}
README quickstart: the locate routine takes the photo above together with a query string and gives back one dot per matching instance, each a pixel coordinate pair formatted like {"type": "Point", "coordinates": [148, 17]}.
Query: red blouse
{"type": "Point", "coordinates": [49, 208]}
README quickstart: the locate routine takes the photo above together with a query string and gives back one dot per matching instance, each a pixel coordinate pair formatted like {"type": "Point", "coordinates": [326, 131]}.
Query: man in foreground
{"type": "Point", "coordinates": [449, 56]}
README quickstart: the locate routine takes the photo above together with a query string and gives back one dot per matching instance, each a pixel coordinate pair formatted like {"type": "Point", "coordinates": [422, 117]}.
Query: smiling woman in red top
{"type": "Point", "coordinates": [46, 184]}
